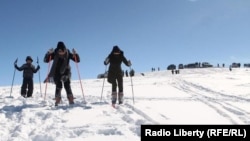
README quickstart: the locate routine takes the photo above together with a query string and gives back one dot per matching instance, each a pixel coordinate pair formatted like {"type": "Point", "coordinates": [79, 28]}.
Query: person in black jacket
{"type": "Point", "coordinates": [115, 76]}
{"type": "Point", "coordinates": [60, 72]}
{"type": "Point", "coordinates": [28, 69]}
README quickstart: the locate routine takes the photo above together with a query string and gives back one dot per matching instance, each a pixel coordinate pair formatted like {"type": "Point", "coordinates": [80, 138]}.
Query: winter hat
{"type": "Point", "coordinates": [116, 49]}
{"type": "Point", "coordinates": [60, 46]}
{"type": "Point", "coordinates": [29, 58]}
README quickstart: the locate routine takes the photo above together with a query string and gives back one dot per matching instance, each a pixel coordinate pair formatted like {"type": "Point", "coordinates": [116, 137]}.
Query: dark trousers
{"type": "Point", "coordinates": [59, 86]}
{"type": "Point", "coordinates": [27, 84]}
{"type": "Point", "coordinates": [117, 80]}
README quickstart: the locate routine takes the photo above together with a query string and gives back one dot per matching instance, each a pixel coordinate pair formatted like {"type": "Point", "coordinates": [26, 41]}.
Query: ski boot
{"type": "Point", "coordinates": [113, 98]}
{"type": "Point", "coordinates": [58, 100]}
{"type": "Point", "coordinates": [120, 97]}
{"type": "Point", "coordinates": [71, 99]}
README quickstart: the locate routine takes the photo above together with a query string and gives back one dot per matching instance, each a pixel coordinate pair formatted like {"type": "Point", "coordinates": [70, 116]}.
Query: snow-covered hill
{"type": "Point", "coordinates": [195, 96]}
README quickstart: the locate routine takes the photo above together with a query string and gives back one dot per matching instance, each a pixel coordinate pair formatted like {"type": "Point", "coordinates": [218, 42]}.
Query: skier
{"type": "Point", "coordinates": [115, 58]}
{"type": "Point", "coordinates": [60, 72]}
{"type": "Point", "coordinates": [28, 70]}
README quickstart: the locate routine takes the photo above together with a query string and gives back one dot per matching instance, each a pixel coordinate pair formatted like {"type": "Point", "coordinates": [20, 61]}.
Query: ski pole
{"type": "Point", "coordinates": [103, 81]}
{"type": "Point", "coordinates": [132, 86]}
{"type": "Point", "coordinates": [39, 78]}
{"type": "Point", "coordinates": [13, 77]}
{"type": "Point", "coordinates": [79, 77]}
{"type": "Point", "coordinates": [47, 79]}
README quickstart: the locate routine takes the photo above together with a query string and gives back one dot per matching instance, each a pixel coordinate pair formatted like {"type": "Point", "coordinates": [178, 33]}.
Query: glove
{"type": "Point", "coordinates": [73, 51]}
{"type": "Point", "coordinates": [38, 67]}
{"type": "Point", "coordinates": [50, 51]}
{"type": "Point", "coordinates": [129, 63]}
{"type": "Point", "coordinates": [106, 62]}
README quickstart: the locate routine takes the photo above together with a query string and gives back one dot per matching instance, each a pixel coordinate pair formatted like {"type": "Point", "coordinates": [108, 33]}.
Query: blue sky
{"type": "Point", "coordinates": [152, 33]}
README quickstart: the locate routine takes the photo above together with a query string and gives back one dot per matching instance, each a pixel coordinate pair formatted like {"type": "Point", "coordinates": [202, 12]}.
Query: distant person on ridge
{"type": "Point", "coordinates": [126, 73]}
{"type": "Point", "coordinates": [132, 72]}
{"type": "Point", "coordinates": [28, 70]}
{"type": "Point", "coordinates": [60, 72]}
{"type": "Point", "coordinates": [115, 58]}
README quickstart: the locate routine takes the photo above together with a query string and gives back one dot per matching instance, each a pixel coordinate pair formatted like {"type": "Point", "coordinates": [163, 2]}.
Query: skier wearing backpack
{"type": "Point", "coordinates": [115, 77]}
{"type": "Point", "coordinates": [60, 72]}
{"type": "Point", "coordinates": [28, 70]}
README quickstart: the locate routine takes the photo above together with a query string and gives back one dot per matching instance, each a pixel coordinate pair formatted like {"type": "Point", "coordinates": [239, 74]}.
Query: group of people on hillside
{"type": "Point", "coordinates": [60, 72]}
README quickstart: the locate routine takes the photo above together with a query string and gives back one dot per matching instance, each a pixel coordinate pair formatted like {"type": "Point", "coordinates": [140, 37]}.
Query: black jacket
{"type": "Point", "coordinates": [116, 61]}
{"type": "Point", "coordinates": [28, 70]}
{"type": "Point", "coordinates": [60, 65]}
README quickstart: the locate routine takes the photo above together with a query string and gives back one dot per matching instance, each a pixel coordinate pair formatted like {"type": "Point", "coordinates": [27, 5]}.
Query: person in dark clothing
{"type": "Point", "coordinates": [126, 73]}
{"type": "Point", "coordinates": [28, 70]}
{"type": "Point", "coordinates": [115, 58]}
{"type": "Point", "coordinates": [132, 72]}
{"type": "Point", "coordinates": [60, 72]}
{"type": "Point", "coordinates": [230, 68]}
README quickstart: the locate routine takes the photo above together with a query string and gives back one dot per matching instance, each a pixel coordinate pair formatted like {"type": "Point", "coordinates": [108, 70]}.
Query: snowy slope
{"type": "Point", "coordinates": [195, 96]}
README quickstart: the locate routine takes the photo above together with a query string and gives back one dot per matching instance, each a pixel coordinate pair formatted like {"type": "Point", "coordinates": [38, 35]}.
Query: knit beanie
{"type": "Point", "coordinates": [29, 58]}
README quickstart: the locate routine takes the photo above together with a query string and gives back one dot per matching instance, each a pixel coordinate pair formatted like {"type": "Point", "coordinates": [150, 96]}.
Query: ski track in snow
{"type": "Point", "coordinates": [216, 100]}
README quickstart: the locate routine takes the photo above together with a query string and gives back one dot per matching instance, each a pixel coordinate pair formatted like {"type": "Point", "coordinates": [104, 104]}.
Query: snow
{"type": "Point", "coordinates": [195, 96]}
